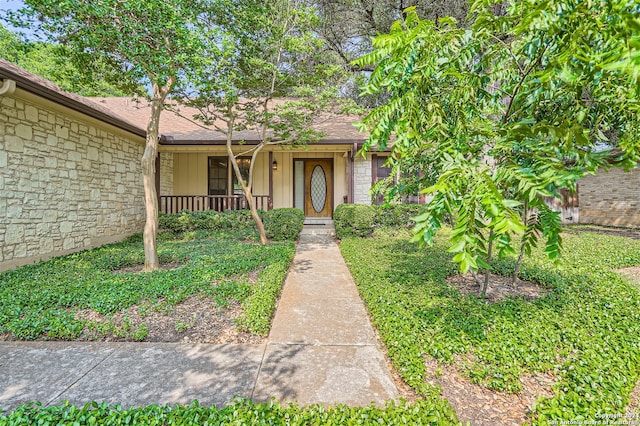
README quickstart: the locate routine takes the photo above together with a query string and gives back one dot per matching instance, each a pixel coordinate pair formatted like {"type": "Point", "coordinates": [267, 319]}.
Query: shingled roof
{"type": "Point", "coordinates": [133, 115]}
{"type": "Point", "coordinates": [48, 90]}
{"type": "Point", "coordinates": [178, 130]}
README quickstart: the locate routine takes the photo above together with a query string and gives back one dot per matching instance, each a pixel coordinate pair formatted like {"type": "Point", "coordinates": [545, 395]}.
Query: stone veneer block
{"type": "Point", "coordinates": [79, 177]}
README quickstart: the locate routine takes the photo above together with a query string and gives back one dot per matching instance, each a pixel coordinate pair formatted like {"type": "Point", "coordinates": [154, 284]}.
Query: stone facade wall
{"type": "Point", "coordinates": [67, 182]}
{"type": "Point", "coordinates": [362, 180]}
{"type": "Point", "coordinates": [610, 198]}
{"type": "Point", "coordinates": [166, 173]}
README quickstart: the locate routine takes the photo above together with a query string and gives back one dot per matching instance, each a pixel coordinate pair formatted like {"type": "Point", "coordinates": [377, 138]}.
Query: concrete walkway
{"type": "Point", "coordinates": [321, 349]}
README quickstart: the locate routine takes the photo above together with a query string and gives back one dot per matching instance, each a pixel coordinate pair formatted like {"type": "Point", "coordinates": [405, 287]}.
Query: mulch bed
{"type": "Point", "coordinates": [499, 287]}
{"type": "Point", "coordinates": [484, 407]}
{"type": "Point", "coordinates": [195, 320]}
{"type": "Point", "coordinates": [632, 272]}
{"type": "Point", "coordinates": [633, 409]}
{"type": "Point", "coordinates": [474, 403]}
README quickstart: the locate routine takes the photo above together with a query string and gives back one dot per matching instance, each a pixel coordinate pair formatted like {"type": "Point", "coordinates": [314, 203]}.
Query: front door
{"type": "Point", "coordinates": [318, 188]}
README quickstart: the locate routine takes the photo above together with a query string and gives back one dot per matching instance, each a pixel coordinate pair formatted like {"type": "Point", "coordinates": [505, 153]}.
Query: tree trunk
{"type": "Point", "coordinates": [151, 260]}
{"type": "Point", "coordinates": [256, 217]}
{"type": "Point", "coordinates": [516, 268]}
{"type": "Point", "coordinates": [476, 279]}
{"type": "Point", "coordinates": [485, 286]}
{"type": "Point", "coordinates": [246, 189]}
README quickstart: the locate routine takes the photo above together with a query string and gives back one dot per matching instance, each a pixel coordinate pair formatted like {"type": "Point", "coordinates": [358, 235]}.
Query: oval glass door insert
{"type": "Point", "coordinates": [318, 188]}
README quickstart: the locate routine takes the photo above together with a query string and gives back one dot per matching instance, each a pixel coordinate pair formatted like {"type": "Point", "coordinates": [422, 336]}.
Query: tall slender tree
{"type": "Point", "coordinates": [149, 42]}
{"type": "Point", "coordinates": [519, 105]}
{"type": "Point", "coordinates": [273, 79]}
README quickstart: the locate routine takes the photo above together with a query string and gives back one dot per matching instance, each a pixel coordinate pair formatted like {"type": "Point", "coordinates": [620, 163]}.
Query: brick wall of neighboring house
{"type": "Point", "coordinates": [611, 198]}
{"type": "Point", "coordinates": [166, 173]}
{"type": "Point", "coordinates": [67, 181]}
{"type": "Point", "coordinates": [362, 180]}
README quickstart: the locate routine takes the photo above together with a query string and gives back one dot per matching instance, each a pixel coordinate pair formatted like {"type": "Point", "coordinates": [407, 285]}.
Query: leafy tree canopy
{"type": "Point", "coordinates": [348, 27]}
{"type": "Point", "coordinates": [506, 112]}
{"type": "Point", "coordinates": [149, 42]}
{"type": "Point", "coordinates": [51, 61]}
{"type": "Point", "coordinates": [273, 77]}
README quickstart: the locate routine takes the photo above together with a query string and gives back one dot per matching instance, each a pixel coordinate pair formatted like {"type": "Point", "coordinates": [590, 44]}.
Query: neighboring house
{"type": "Point", "coordinates": [70, 175]}
{"type": "Point", "coordinates": [610, 198]}
{"type": "Point", "coordinates": [196, 175]}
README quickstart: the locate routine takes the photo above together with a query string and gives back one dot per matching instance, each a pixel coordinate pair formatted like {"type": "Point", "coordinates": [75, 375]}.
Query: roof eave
{"type": "Point", "coordinates": [67, 101]}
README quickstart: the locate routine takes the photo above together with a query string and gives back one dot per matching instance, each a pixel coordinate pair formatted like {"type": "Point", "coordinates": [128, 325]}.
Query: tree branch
{"type": "Point", "coordinates": [505, 118]}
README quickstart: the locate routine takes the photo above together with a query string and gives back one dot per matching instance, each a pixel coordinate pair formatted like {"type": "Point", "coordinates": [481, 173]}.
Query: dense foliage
{"type": "Point", "coordinates": [210, 220]}
{"type": "Point", "coordinates": [354, 219]}
{"type": "Point", "coordinates": [496, 116]}
{"type": "Point", "coordinates": [51, 61]}
{"type": "Point", "coordinates": [242, 412]}
{"type": "Point", "coordinates": [361, 220]}
{"type": "Point", "coordinates": [40, 301]}
{"type": "Point", "coordinates": [585, 331]}
{"type": "Point", "coordinates": [283, 224]}
{"type": "Point", "coordinates": [398, 216]}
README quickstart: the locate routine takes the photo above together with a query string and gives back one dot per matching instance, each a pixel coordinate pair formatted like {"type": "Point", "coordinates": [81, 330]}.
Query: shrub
{"type": "Point", "coordinates": [176, 223]}
{"type": "Point", "coordinates": [354, 220]}
{"type": "Point", "coordinates": [210, 220]}
{"type": "Point", "coordinates": [241, 219]}
{"type": "Point", "coordinates": [398, 215]}
{"type": "Point", "coordinates": [283, 224]}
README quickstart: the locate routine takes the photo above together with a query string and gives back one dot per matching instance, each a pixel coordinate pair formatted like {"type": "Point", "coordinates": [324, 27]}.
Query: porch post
{"type": "Point", "coordinates": [350, 170]}
{"type": "Point", "coordinates": [158, 179]}
{"type": "Point", "coordinates": [270, 203]}
{"type": "Point", "coordinates": [374, 168]}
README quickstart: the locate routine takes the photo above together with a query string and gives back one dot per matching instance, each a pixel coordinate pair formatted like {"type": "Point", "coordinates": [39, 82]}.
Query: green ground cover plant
{"type": "Point", "coordinates": [242, 412]}
{"type": "Point", "coordinates": [585, 331]}
{"type": "Point", "coordinates": [41, 300]}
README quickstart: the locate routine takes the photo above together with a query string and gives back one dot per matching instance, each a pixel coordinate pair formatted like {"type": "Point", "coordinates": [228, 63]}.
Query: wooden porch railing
{"type": "Point", "coordinates": [177, 203]}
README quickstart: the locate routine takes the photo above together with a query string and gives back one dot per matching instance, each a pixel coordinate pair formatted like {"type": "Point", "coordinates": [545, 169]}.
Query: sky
{"type": "Point", "coordinates": [6, 5]}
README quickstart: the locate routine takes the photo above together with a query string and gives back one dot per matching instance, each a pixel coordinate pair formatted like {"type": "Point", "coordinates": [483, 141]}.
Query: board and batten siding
{"type": "Point", "coordinates": [190, 173]}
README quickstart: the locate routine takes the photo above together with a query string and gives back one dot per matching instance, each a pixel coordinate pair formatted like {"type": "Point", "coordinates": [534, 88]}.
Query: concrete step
{"type": "Point", "coordinates": [318, 221]}
{"type": "Point", "coordinates": [318, 230]}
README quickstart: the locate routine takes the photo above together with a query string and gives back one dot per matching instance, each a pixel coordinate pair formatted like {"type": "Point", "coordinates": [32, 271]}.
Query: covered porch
{"type": "Point", "coordinates": [315, 178]}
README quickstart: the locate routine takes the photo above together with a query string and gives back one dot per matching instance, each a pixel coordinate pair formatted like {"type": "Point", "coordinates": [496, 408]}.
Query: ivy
{"type": "Point", "coordinates": [585, 331]}
{"type": "Point", "coordinates": [241, 412]}
{"type": "Point", "coordinates": [40, 301]}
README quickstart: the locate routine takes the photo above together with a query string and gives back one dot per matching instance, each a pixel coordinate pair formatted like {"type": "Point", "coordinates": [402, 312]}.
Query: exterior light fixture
{"type": "Point", "coordinates": [274, 165]}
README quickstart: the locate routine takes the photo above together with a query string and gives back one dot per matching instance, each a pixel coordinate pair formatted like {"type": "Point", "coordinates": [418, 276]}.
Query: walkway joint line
{"type": "Point", "coordinates": [255, 383]}
{"type": "Point", "coordinates": [83, 376]}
